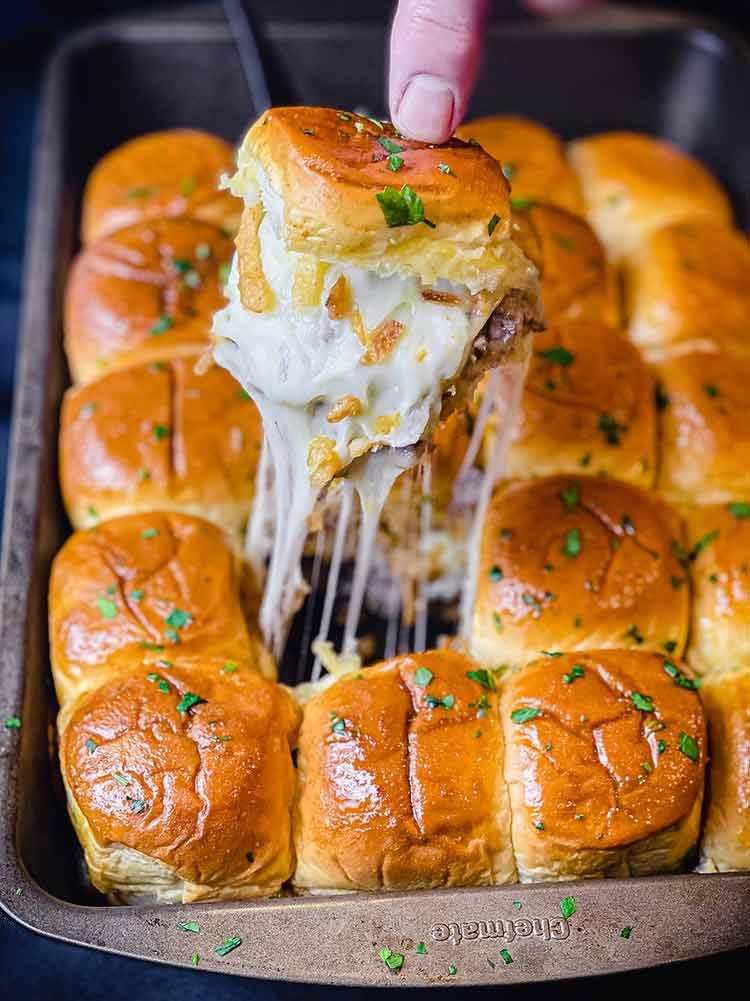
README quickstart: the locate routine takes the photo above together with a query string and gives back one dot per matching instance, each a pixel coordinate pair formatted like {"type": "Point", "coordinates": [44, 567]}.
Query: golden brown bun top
{"type": "Point", "coordinates": [143, 293]}
{"type": "Point", "coordinates": [575, 562]}
{"type": "Point", "coordinates": [204, 788]}
{"type": "Point", "coordinates": [576, 280]}
{"type": "Point", "coordinates": [138, 589]}
{"type": "Point", "coordinates": [400, 769]}
{"type": "Point", "coordinates": [162, 174]}
{"type": "Point", "coordinates": [532, 155]}
{"type": "Point", "coordinates": [599, 738]}
{"type": "Point", "coordinates": [326, 169]}
{"type": "Point", "coordinates": [158, 433]}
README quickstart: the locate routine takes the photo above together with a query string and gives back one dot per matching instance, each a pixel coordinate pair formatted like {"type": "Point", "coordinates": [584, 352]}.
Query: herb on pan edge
{"type": "Point", "coordinates": [421, 949]}
{"type": "Point", "coordinates": [12, 723]}
{"type": "Point", "coordinates": [625, 933]}
{"type": "Point", "coordinates": [393, 960]}
{"type": "Point", "coordinates": [506, 957]}
{"type": "Point", "coordinates": [228, 945]}
{"type": "Point", "coordinates": [567, 907]}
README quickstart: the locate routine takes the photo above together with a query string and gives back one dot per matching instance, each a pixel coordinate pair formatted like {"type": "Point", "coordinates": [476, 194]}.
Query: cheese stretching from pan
{"type": "Point", "coordinates": [375, 280]}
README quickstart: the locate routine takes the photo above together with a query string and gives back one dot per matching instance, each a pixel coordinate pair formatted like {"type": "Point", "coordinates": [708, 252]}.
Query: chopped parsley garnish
{"type": "Point", "coordinates": [739, 509]}
{"type": "Point", "coordinates": [567, 907]}
{"type": "Point", "coordinates": [633, 633]}
{"type": "Point", "coordinates": [524, 715]}
{"type": "Point", "coordinates": [359, 127]}
{"type": "Point", "coordinates": [447, 702]}
{"type": "Point", "coordinates": [670, 646]}
{"type": "Point", "coordinates": [661, 746]}
{"type": "Point", "coordinates": [492, 224]}
{"type": "Point", "coordinates": [12, 723]}
{"type": "Point", "coordinates": [661, 399]}
{"type": "Point", "coordinates": [539, 825]}
{"type": "Point", "coordinates": [177, 619]}
{"type": "Point", "coordinates": [422, 677]}
{"type": "Point", "coordinates": [572, 546]}
{"type": "Point", "coordinates": [88, 408]}
{"type": "Point", "coordinates": [576, 671]}
{"type": "Point", "coordinates": [680, 679]}
{"type": "Point", "coordinates": [509, 171]}
{"type": "Point", "coordinates": [163, 324]}
{"type": "Point", "coordinates": [445, 169]}
{"type": "Point", "coordinates": [421, 949]}
{"type": "Point", "coordinates": [557, 356]}
{"type": "Point", "coordinates": [192, 926]}
{"type": "Point", "coordinates": [701, 544]}
{"type": "Point", "coordinates": [688, 746]}
{"type": "Point", "coordinates": [188, 185]}
{"type": "Point", "coordinates": [137, 805]}
{"type": "Point", "coordinates": [402, 208]}
{"type": "Point", "coordinates": [610, 428]}
{"type": "Point", "coordinates": [202, 251]}
{"type": "Point", "coordinates": [141, 192]}
{"type": "Point", "coordinates": [136, 595]}
{"type": "Point", "coordinates": [393, 960]}
{"type": "Point", "coordinates": [642, 702]}
{"type": "Point", "coordinates": [452, 970]}
{"type": "Point", "coordinates": [195, 959]}
{"type": "Point", "coordinates": [570, 495]}
{"type": "Point", "coordinates": [483, 678]}
{"type": "Point", "coordinates": [188, 700]}
{"type": "Point", "coordinates": [506, 956]}
{"type": "Point", "coordinates": [182, 265]}
{"type": "Point", "coordinates": [710, 390]}
{"type": "Point", "coordinates": [307, 132]}
{"type": "Point", "coordinates": [107, 608]}
{"type": "Point", "coordinates": [153, 647]}
{"type": "Point", "coordinates": [520, 204]}
{"type": "Point", "coordinates": [228, 668]}
{"type": "Point", "coordinates": [552, 653]}
{"type": "Point", "coordinates": [517, 904]}
{"type": "Point", "coordinates": [224, 270]}
{"type": "Point", "coordinates": [389, 145]}
{"type": "Point", "coordinates": [162, 685]}
{"type": "Point", "coordinates": [496, 573]}
{"type": "Point", "coordinates": [344, 116]}
{"type": "Point", "coordinates": [506, 533]}
{"type": "Point", "coordinates": [160, 431]}
{"type": "Point", "coordinates": [647, 767]}
{"type": "Point", "coordinates": [91, 745]}
{"type": "Point", "coordinates": [338, 725]}
{"type": "Point", "coordinates": [497, 622]}
{"type": "Point", "coordinates": [395, 162]}
{"type": "Point", "coordinates": [585, 459]}
{"type": "Point", "coordinates": [228, 945]}
{"type": "Point", "coordinates": [120, 779]}
{"type": "Point", "coordinates": [625, 933]}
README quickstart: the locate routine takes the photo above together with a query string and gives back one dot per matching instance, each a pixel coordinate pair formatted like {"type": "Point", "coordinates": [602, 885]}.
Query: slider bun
{"type": "Point", "coordinates": [582, 803]}
{"type": "Point", "coordinates": [705, 428]}
{"type": "Point", "coordinates": [102, 625]}
{"type": "Point", "coordinates": [633, 184]}
{"type": "Point", "coordinates": [572, 563]}
{"type": "Point", "coordinates": [531, 154]}
{"type": "Point", "coordinates": [690, 287]}
{"type": "Point", "coordinates": [726, 831]}
{"type": "Point", "coordinates": [720, 629]}
{"type": "Point", "coordinates": [142, 294]}
{"type": "Point", "coordinates": [322, 188]}
{"type": "Point", "coordinates": [159, 437]}
{"type": "Point", "coordinates": [583, 375]}
{"type": "Point", "coordinates": [576, 281]}
{"type": "Point", "coordinates": [402, 796]}
{"type": "Point", "coordinates": [167, 810]}
{"type": "Point", "coordinates": [160, 175]}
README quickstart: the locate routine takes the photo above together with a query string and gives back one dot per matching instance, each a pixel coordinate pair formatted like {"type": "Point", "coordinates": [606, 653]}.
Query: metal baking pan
{"type": "Point", "coordinates": [670, 76]}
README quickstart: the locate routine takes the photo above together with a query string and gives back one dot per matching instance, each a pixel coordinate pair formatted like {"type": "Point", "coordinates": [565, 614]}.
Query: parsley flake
{"type": "Point", "coordinates": [12, 723]}
{"type": "Point", "coordinates": [572, 546]}
{"type": "Point", "coordinates": [483, 678]}
{"type": "Point", "coordinates": [644, 703]}
{"type": "Point", "coordinates": [177, 619]}
{"type": "Point", "coordinates": [492, 224]}
{"type": "Point", "coordinates": [192, 926]}
{"type": "Point", "coordinates": [422, 677]}
{"type": "Point", "coordinates": [739, 509]}
{"type": "Point", "coordinates": [625, 933]}
{"type": "Point", "coordinates": [567, 907]}
{"type": "Point", "coordinates": [524, 715]}
{"type": "Point", "coordinates": [393, 960]}
{"type": "Point", "coordinates": [163, 324]}
{"type": "Point", "coordinates": [557, 356]}
{"type": "Point", "coordinates": [506, 957]}
{"type": "Point", "coordinates": [688, 745]}
{"type": "Point", "coordinates": [509, 171]}
{"type": "Point", "coordinates": [91, 745]}
{"type": "Point", "coordinates": [107, 608]}
{"type": "Point", "coordinates": [520, 204]}
{"type": "Point", "coordinates": [445, 169]}
{"type": "Point", "coordinates": [570, 495]}
{"type": "Point", "coordinates": [228, 945]}
{"type": "Point", "coordinates": [188, 700]}
{"type": "Point", "coordinates": [447, 702]}
{"type": "Point", "coordinates": [575, 672]}
{"type": "Point", "coordinates": [402, 208]}
{"type": "Point", "coordinates": [421, 949]}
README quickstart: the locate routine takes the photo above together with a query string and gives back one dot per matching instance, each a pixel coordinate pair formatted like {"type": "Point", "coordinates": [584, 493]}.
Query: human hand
{"type": "Point", "coordinates": [436, 48]}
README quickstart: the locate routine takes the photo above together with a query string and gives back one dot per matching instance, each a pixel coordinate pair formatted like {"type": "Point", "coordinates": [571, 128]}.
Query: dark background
{"type": "Point", "coordinates": [32, 967]}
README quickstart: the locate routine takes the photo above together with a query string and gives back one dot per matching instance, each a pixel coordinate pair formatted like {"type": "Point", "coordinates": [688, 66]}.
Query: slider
{"type": "Point", "coordinates": [156, 176]}
{"type": "Point", "coordinates": [179, 783]}
{"type": "Point", "coordinates": [605, 755]}
{"type": "Point", "coordinates": [633, 184]}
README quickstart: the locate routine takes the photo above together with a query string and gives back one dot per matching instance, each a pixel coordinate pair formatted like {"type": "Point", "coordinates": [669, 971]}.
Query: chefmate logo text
{"type": "Point", "coordinates": [548, 929]}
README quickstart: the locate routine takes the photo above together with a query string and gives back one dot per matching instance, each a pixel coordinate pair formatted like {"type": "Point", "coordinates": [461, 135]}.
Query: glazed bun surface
{"type": "Point", "coordinates": [633, 184]}
{"type": "Point", "coordinates": [690, 288]}
{"type": "Point", "coordinates": [180, 783]}
{"type": "Point", "coordinates": [587, 407]}
{"type": "Point", "coordinates": [533, 158]}
{"type": "Point", "coordinates": [139, 589]}
{"type": "Point", "coordinates": [159, 437]}
{"type": "Point", "coordinates": [143, 294]}
{"type": "Point", "coordinates": [719, 544]}
{"type": "Point", "coordinates": [399, 780]}
{"type": "Point", "coordinates": [705, 428]}
{"type": "Point", "coordinates": [572, 563]}
{"type": "Point", "coordinates": [161, 175]}
{"type": "Point", "coordinates": [605, 755]}
{"type": "Point", "coordinates": [726, 832]}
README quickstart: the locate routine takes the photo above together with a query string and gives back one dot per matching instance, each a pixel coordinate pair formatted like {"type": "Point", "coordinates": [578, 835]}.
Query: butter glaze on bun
{"type": "Point", "coordinates": [633, 184]}
{"type": "Point", "coordinates": [533, 158]}
{"type": "Point", "coordinates": [180, 784]}
{"type": "Point", "coordinates": [690, 288]}
{"type": "Point", "coordinates": [571, 563]}
{"type": "Point", "coordinates": [160, 175]}
{"type": "Point", "coordinates": [141, 589]}
{"type": "Point", "coordinates": [397, 791]}
{"type": "Point", "coordinates": [705, 428]}
{"type": "Point", "coordinates": [605, 756]}
{"type": "Point", "coordinates": [719, 544]}
{"type": "Point", "coordinates": [726, 832]}
{"type": "Point", "coordinates": [587, 407]}
{"type": "Point", "coordinates": [159, 437]}
{"type": "Point", "coordinates": [143, 294]}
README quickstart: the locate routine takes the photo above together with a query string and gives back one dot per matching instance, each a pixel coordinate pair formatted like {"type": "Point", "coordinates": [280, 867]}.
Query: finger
{"type": "Point", "coordinates": [436, 47]}
{"type": "Point", "coordinates": [553, 7]}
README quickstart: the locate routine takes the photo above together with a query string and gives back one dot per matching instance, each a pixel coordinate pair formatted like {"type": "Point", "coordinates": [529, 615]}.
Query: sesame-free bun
{"type": "Point", "coordinates": [599, 783]}
{"type": "Point", "coordinates": [160, 175]}
{"type": "Point", "coordinates": [159, 437]}
{"type": "Point", "coordinates": [705, 428]}
{"type": "Point", "coordinates": [725, 845]}
{"type": "Point", "coordinates": [143, 294]}
{"type": "Point", "coordinates": [719, 543]}
{"type": "Point", "coordinates": [533, 158]}
{"type": "Point", "coordinates": [174, 802]}
{"type": "Point", "coordinates": [320, 171]}
{"type": "Point", "coordinates": [688, 288]}
{"type": "Point", "coordinates": [141, 589]}
{"type": "Point", "coordinates": [396, 792]}
{"type": "Point", "coordinates": [587, 407]}
{"type": "Point", "coordinates": [633, 184]}
{"type": "Point", "coordinates": [577, 283]}
{"type": "Point", "coordinates": [572, 563]}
